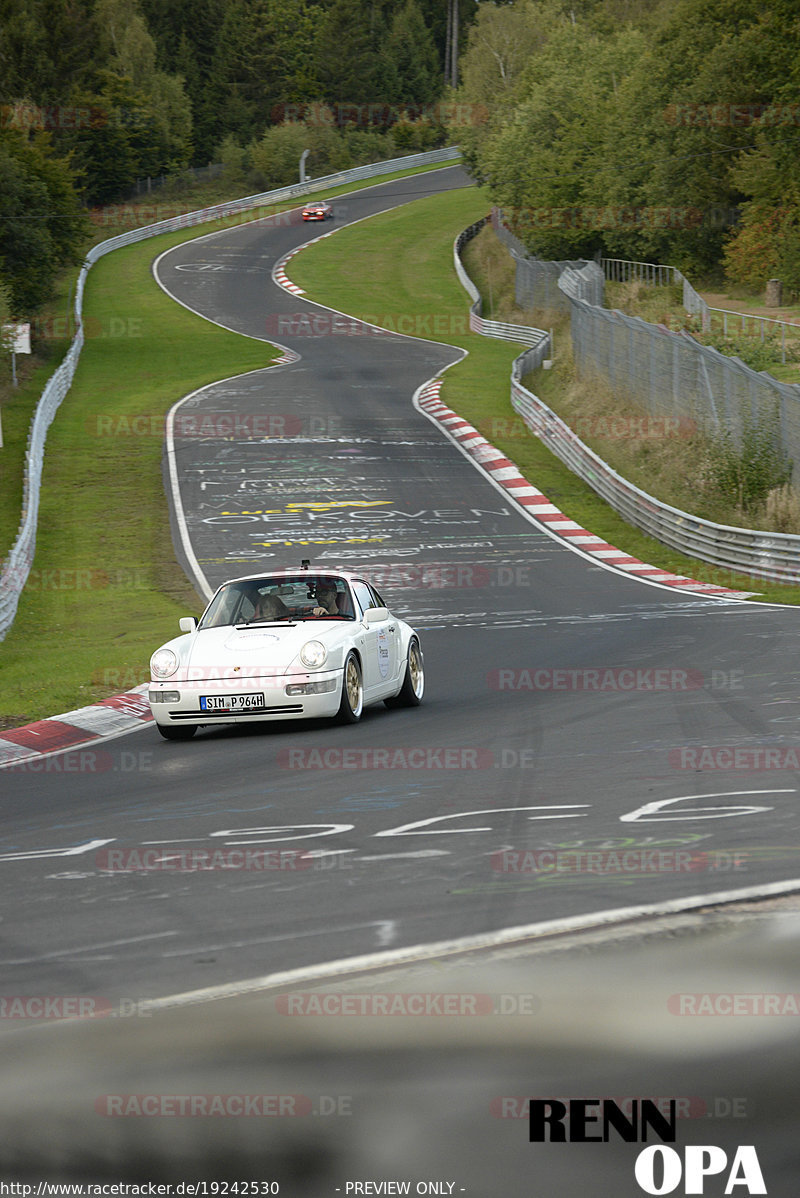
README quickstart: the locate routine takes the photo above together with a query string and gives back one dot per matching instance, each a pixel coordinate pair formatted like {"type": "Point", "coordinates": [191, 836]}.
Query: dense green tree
{"type": "Point", "coordinates": [543, 165]}
{"type": "Point", "coordinates": [264, 65]}
{"type": "Point", "coordinates": [411, 51]}
{"type": "Point", "coordinates": [41, 221]}
{"type": "Point", "coordinates": [434, 14]}
{"type": "Point", "coordinates": [674, 138]}
{"type": "Point", "coordinates": [353, 68]}
{"type": "Point", "coordinates": [134, 119]}
{"type": "Point", "coordinates": [45, 46]}
{"type": "Point", "coordinates": [503, 41]}
{"type": "Point", "coordinates": [275, 157]}
{"type": "Point", "coordinates": [186, 33]}
{"type": "Point", "coordinates": [767, 244]}
{"type": "Point", "coordinates": [164, 136]}
{"type": "Point", "coordinates": [653, 134]}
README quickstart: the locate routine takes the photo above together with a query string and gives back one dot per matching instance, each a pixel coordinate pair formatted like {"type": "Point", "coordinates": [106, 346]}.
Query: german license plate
{"type": "Point", "coordinates": [231, 702]}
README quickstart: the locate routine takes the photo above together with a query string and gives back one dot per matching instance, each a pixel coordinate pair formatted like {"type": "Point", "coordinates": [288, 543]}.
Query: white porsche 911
{"type": "Point", "coordinates": [292, 644]}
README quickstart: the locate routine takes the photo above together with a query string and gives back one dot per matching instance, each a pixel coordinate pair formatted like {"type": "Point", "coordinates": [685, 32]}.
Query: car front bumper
{"type": "Point", "coordinates": [285, 697]}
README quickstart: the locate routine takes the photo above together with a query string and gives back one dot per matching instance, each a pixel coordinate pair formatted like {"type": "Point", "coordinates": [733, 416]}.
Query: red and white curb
{"type": "Point", "coordinates": [111, 717]}
{"type": "Point", "coordinates": [279, 270]}
{"type": "Point", "coordinates": [287, 358]}
{"type": "Point", "coordinates": [503, 472]}
{"type": "Point", "coordinates": [280, 276]}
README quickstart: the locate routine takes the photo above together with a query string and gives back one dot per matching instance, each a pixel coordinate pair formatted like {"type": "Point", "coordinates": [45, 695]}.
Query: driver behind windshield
{"type": "Point", "coordinates": [326, 600]}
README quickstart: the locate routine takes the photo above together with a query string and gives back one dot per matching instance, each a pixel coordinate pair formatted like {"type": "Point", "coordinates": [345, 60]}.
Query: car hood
{"type": "Point", "coordinates": [261, 648]}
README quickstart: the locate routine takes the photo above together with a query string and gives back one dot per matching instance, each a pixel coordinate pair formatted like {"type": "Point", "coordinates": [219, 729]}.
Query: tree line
{"type": "Point", "coordinates": [95, 94]}
{"type": "Point", "coordinates": [658, 130]}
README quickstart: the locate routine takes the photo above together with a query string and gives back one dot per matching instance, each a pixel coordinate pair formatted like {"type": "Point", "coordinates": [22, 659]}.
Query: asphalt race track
{"type": "Point", "coordinates": [566, 705]}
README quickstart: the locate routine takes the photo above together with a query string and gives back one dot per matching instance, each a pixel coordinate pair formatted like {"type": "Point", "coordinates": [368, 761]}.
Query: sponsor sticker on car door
{"type": "Point", "coordinates": [384, 653]}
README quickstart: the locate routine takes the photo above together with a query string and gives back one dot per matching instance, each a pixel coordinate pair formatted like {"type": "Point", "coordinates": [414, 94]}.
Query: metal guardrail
{"type": "Point", "coordinates": [622, 270]}
{"type": "Point", "coordinates": [654, 274]}
{"type": "Point", "coordinates": [522, 334]}
{"type": "Point", "coordinates": [744, 318]}
{"type": "Point", "coordinates": [17, 565]}
{"type": "Point", "coordinates": [764, 555]}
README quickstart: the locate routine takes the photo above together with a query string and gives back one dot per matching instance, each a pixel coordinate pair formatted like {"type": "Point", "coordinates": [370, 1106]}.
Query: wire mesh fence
{"type": "Point", "coordinates": [537, 281]}
{"type": "Point", "coordinates": [670, 374]}
{"type": "Point", "coordinates": [761, 555]}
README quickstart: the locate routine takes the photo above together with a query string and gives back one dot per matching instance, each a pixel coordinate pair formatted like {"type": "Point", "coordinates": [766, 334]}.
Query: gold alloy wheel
{"type": "Point", "coordinates": [353, 684]}
{"type": "Point", "coordinates": [415, 668]}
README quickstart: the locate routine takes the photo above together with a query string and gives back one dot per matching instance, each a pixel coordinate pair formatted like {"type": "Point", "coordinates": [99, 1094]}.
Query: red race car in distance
{"type": "Point", "coordinates": [317, 210]}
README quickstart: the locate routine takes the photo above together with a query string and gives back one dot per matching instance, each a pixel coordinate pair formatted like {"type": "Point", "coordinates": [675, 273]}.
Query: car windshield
{"type": "Point", "coordinates": [274, 599]}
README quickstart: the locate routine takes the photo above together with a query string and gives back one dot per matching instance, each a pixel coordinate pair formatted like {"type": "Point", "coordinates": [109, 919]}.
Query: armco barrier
{"type": "Point", "coordinates": [765, 555]}
{"type": "Point", "coordinates": [523, 334]}
{"type": "Point", "coordinates": [17, 565]}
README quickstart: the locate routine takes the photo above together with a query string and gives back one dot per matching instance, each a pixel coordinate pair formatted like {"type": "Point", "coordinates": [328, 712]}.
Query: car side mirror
{"type": "Point", "coordinates": [188, 623]}
{"type": "Point", "coordinates": [374, 615]}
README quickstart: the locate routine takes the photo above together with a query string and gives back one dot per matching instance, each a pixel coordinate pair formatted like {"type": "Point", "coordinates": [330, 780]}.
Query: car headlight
{"type": "Point", "coordinates": [313, 654]}
{"type": "Point", "coordinates": [163, 663]}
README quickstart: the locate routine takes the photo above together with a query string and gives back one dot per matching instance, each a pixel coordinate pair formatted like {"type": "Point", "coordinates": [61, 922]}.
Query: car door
{"type": "Point", "coordinates": [381, 640]}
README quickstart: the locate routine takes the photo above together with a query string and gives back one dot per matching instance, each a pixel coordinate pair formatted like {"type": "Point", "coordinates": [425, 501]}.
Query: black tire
{"type": "Point", "coordinates": [413, 688]}
{"type": "Point", "coordinates": [177, 731]}
{"type": "Point", "coordinates": [352, 702]}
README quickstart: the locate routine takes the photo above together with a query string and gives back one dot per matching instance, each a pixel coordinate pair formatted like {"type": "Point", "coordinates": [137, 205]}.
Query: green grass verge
{"type": "Point", "coordinates": [400, 263]}
{"type": "Point", "coordinates": [105, 589]}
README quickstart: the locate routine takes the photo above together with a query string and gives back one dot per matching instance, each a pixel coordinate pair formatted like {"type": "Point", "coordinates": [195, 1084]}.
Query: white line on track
{"type": "Point", "coordinates": [82, 950]}
{"type": "Point", "coordinates": [384, 929]}
{"type": "Point", "coordinates": [403, 856]}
